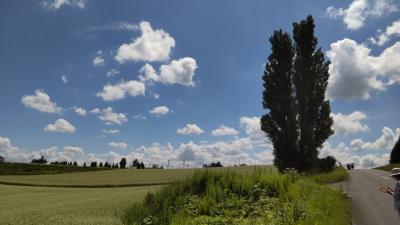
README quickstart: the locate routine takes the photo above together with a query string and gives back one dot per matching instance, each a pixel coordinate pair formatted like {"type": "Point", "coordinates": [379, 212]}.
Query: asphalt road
{"type": "Point", "coordinates": [369, 205]}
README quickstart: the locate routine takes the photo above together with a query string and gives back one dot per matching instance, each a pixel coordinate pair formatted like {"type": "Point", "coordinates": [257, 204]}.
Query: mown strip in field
{"type": "Point", "coordinates": [82, 186]}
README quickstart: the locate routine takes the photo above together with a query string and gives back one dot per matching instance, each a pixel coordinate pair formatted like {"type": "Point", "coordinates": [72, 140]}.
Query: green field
{"type": "Point", "coordinates": [37, 169]}
{"type": "Point", "coordinates": [70, 206]}
{"type": "Point", "coordinates": [110, 178]}
{"type": "Point", "coordinates": [95, 205]}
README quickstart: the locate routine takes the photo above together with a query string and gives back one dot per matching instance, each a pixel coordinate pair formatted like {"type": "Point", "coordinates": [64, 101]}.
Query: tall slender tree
{"type": "Point", "coordinates": [395, 154]}
{"type": "Point", "coordinates": [280, 123]}
{"type": "Point", "coordinates": [295, 80]}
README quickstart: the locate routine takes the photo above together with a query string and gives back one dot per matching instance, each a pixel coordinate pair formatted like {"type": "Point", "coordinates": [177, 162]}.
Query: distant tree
{"type": "Point", "coordinates": [106, 165]}
{"type": "Point", "coordinates": [75, 164]}
{"type": "Point", "coordinates": [84, 165]}
{"type": "Point", "coordinates": [135, 163]}
{"type": "Point", "coordinates": [93, 164]}
{"type": "Point", "coordinates": [395, 154]}
{"type": "Point", "coordinates": [295, 80]}
{"type": "Point", "coordinates": [327, 164]}
{"type": "Point", "coordinates": [122, 163]}
{"type": "Point", "coordinates": [138, 166]}
{"type": "Point", "coordinates": [116, 165]}
{"type": "Point", "coordinates": [1, 159]}
{"type": "Point", "coordinates": [42, 160]}
{"type": "Point", "coordinates": [142, 165]}
{"type": "Point", "coordinates": [101, 164]}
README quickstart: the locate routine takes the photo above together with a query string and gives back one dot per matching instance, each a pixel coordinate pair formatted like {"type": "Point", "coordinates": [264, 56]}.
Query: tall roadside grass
{"type": "Point", "coordinates": [388, 167]}
{"type": "Point", "coordinates": [262, 197]}
{"type": "Point", "coordinates": [337, 175]}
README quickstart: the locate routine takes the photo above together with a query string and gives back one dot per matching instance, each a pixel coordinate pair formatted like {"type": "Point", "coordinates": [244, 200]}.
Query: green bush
{"type": "Point", "coordinates": [262, 197]}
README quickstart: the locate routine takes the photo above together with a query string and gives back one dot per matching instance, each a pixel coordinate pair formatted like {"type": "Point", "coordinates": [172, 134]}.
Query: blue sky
{"type": "Point", "coordinates": [95, 80]}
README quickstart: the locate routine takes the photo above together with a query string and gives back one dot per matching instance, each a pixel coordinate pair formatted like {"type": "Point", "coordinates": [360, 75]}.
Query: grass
{"type": "Point", "coordinates": [58, 206]}
{"type": "Point", "coordinates": [227, 197]}
{"type": "Point", "coordinates": [36, 169]}
{"type": "Point", "coordinates": [388, 167]}
{"type": "Point", "coordinates": [337, 175]}
{"type": "Point", "coordinates": [109, 178]}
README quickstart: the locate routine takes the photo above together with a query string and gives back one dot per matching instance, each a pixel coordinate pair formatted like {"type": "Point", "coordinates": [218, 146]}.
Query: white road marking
{"type": "Point", "coordinates": [385, 178]}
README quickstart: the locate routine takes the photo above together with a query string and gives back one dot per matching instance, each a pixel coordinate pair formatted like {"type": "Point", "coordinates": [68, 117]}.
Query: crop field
{"type": "Point", "coordinates": [110, 178]}
{"type": "Point", "coordinates": [20, 205]}
{"type": "Point", "coordinates": [38, 200]}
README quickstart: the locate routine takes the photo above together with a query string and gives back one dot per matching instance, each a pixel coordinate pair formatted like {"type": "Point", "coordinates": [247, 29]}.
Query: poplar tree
{"type": "Point", "coordinates": [395, 154]}
{"type": "Point", "coordinates": [295, 81]}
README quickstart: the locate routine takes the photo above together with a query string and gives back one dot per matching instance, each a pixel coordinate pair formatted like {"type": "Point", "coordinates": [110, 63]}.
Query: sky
{"type": "Point", "coordinates": [85, 80]}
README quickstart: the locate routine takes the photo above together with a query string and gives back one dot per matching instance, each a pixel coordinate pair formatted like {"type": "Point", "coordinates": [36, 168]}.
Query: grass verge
{"type": "Point", "coordinates": [262, 197]}
{"type": "Point", "coordinates": [388, 167]}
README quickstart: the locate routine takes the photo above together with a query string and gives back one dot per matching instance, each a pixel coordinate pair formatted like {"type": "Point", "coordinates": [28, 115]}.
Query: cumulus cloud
{"type": "Point", "coordinates": [12, 153]}
{"type": "Point", "coordinates": [180, 71]}
{"type": "Point", "coordinates": [57, 4]}
{"type": "Point", "coordinates": [391, 30]}
{"type": "Point", "coordinates": [355, 73]}
{"type": "Point", "coordinates": [109, 117]}
{"type": "Point", "coordinates": [64, 79]}
{"type": "Point", "coordinates": [139, 116]}
{"type": "Point", "coordinates": [112, 72]}
{"type": "Point", "coordinates": [359, 10]}
{"type": "Point", "coordinates": [345, 154]}
{"type": "Point", "coordinates": [224, 131]}
{"type": "Point", "coordinates": [151, 46]}
{"type": "Point", "coordinates": [110, 131]}
{"type": "Point", "coordinates": [344, 124]}
{"type": "Point", "coordinates": [385, 142]}
{"type": "Point", "coordinates": [98, 61]}
{"type": "Point", "coordinates": [160, 110]}
{"type": "Point", "coordinates": [80, 111]}
{"type": "Point", "coordinates": [190, 129]}
{"type": "Point", "coordinates": [60, 125]}
{"type": "Point", "coordinates": [118, 145]}
{"type": "Point", "coordinates": [40, 101]}
{"type": "Point", "coordinates": [119, 91]}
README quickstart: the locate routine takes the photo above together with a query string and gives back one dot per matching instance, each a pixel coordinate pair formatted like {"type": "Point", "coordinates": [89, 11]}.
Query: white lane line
{"type": "Point", "coordinates": [377, 174]}
{"type": "Point", "coordinates": [385, 178]}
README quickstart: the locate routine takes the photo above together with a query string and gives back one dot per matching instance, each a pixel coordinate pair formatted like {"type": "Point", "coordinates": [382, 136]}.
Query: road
{"type": "Point", "coordinates": [370, 206]}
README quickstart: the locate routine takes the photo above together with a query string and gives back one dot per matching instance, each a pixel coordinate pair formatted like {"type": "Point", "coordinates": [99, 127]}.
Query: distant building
{"type": "Point", "coordinates": [1, 159]}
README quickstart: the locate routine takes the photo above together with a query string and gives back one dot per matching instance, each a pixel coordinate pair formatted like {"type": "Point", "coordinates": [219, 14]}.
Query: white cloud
{"type": "Point", "coordinates": [160, 110]}
{"type": "Point", "coordinates": [392, 30]}
{"type": "Point", "coordinates": [64, 79]}
{"type": "Point", "coordinates": [190, 129]}
{"type": "Point", "coordinates": [180, 71]}
{"type": "Point", "coordinates": [40, 101]}
{"type": "Point", "coordinates": [139, 116]}
{"type": "Point", "coordinates": [98, 60]}
{"type": "Point", "coordinates": [385, 142]}
{"type": "Point", "coordinates": [355, 73]}
{"type": "Point", "coordinates": [12, 153]}
{"type": "Point", "coordinates": [57, 4]}
{"type": "Point", "coordinates": [109, 117]}
{"type": "Point", "coordinates": [112, 72]}
{"type": "Point", "coordinates": [344, 124]}
{"type": "Point", "coordinates": [118, 145]}
{"type": "Point", "coordinates": [359, 10]}
{"type": "Point", "coordinates": [224, 131]}
{"type": "Point", "coordinates": [110, 131]}
{"type": "Point", "coordinates": [119, 91]}
{"type": "Point", "coordinates": [80, 111]}
{"type": "Point", "coordinates": [60, 125]}
{"type": "Point", "coordinates": [345, 154]}
{"type": "Point", "coordinates": [151, 46]}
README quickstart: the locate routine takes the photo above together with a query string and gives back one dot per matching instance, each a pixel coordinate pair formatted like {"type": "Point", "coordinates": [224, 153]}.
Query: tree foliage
{"type": "Point", "coordinates": [42, 160]}
{"type": "Point", "coordinates": [395, 154]}
{"type": "Point", "coordinates": [122, 163]}
{"type": "Point", "coordinates": [295, 80]}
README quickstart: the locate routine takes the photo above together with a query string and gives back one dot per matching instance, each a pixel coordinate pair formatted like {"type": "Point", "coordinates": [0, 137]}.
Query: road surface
{"type": "Point", "coordinates": [370, 206]}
